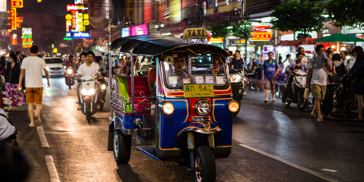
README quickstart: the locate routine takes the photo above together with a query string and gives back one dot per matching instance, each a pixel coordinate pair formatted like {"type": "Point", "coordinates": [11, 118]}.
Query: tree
{"type": "Point", "coordinates": [298, 16]}
{"type": "Point", "coordinates": [346, 13]}
{"type": "Point", "coordinates": [243, 31]}
{"type": "Point", "coordinates": [218, 30]}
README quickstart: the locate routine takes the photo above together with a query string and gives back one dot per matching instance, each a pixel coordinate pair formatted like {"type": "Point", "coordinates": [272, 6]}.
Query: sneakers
{"type": "Point", "coordinates": [37, 120]}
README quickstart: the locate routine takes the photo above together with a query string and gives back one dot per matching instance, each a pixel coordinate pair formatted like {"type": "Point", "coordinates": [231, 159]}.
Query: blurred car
{"type": "Point", "coordinates": [54, 66]}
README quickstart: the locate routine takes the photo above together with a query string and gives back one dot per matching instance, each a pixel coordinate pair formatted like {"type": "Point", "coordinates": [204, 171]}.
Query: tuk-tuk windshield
{"type": "Point", "coordinates": [202, 70]}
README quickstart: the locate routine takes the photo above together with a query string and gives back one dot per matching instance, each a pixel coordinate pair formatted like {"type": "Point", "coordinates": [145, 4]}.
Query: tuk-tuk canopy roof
{"type": "Point", "coordinates": [154, 45]}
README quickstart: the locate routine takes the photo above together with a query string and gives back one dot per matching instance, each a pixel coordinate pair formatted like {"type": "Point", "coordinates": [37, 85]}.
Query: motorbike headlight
{"type": "Point", "coordinates": [202, 107]}
{"type": "Point", "coordinates": [103, 87]}
{"type": "Point", "coordinates": [69, 71]}
{"type": "Point", "coordinates": [234, 78]}
{"type": "Point", "coordinates": [83, 91]}
{"type": "Point", "coordinates": [168, 108]}
{"type": "Point", "coordinates": [91, 92]}
{"type": "Point", "coordinates": [233, 106]}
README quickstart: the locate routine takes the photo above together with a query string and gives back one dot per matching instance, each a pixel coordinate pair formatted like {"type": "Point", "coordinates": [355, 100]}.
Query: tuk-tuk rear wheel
{"type": "Point", "coordinates": [122, 147]}
{"type": "Point", "coordinates": [205, 165]}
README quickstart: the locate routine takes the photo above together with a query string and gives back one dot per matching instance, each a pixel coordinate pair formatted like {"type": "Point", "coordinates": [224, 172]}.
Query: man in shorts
{"type": "Point", "coordinates": [32, 68]}
{"type": "Point", "coordinates": [319, 67]}
{"type": "Point", "coordinates": [269, 74]}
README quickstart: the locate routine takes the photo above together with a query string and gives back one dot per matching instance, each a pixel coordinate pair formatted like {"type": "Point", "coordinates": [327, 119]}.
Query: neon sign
{"type": "Point", "coordinates": [75, 7]}
{"type": "Point", "coordinates": [78, 35]}
{"type": "Point", "coordinates": [16, 3]}
{"type": "Point", "coordinates": [14, 39]}
{"type": "Point", "coordinates": [27, 37]}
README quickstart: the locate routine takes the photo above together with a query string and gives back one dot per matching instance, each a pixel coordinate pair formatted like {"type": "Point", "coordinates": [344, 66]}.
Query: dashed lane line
{"type": "Point", "coordinates": [51, 168]}
{"type": "Point", "coordinates": [42, 138]}
{"type": "Point", "coordinates": [322, 176]}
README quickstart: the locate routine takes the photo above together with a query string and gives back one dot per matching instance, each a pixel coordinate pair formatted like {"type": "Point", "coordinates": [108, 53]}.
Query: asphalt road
{"type": "Point", "coordinates": [270, 143]}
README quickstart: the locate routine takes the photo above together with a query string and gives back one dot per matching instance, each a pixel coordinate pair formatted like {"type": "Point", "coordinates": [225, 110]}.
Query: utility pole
{"type": "Point", "coordinates": [243, 7]}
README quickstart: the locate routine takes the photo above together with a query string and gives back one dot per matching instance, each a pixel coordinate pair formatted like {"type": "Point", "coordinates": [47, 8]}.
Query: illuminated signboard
{"type": "Point", "coordinates": [79, 2]}
{"type": "Point", "coordinates": [27, 37]}
{"type": "Point", "coordinates": [217, 40]}
{"type": "Point", "coordinates": [139, 30]}
{"type": "Point", "coordinates": [75, 7]}
{"type": "Point", "coordinates": [125, 32]}
{"type": "Point", "coordinates": [15, 21]}
{"type": "Point", "coordinates": [261, 33]}
{"type": "Point", "coordinates": [3, 5]}
{"type": "Point", "coordinates": [78, 35]}
{"type": "Point", "coordinates": [14, 39]}
{"type": "Point", "coordinates": [17, 3]}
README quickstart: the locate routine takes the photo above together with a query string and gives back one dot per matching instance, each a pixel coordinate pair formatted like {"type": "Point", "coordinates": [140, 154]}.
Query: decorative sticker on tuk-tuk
{"type": "Point", "coordinates": [220, 80]}
{"type": "Point", "coordinates": [186, 81]}
{"type": "Point", "coordinates": [209, 79]}
{"type": "Point", "coordinates": [169, 59]}
{"type": "Point", "coordinates": [199, 80]}
{"type": "Point", "coordinates": [172, 80]}
{"type": "Point", "coordinates": [201, 90]}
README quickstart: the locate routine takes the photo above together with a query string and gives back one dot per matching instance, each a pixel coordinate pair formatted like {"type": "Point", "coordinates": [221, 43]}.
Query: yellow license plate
{"type": "Point", "coordinates": [198, 90]}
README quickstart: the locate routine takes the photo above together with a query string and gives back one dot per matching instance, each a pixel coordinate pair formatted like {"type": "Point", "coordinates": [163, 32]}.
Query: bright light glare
{"type": "Point", "coordinates": [91, 92]}
{"type": "Point", "coordinates": [103, 87]}
{"type": "Point", "coordinates": [69, 71]}
{"type": "Point", "coordinates": [84, 91]}
{"type": "Point", "coordinates": [233, 106]}
{"type": "Point", "coordinates": [168, 108]}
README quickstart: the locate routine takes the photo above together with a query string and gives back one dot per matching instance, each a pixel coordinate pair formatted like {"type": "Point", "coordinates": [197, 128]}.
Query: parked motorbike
{"type": "Point", "coordinates": [344, 99]}
{"type": "Point", "coordinates": [298, 89]}
{"type": "Point", "coordinates": [69, 76]}
{"type": "Point", "coordinates": [89, 96]}
{"type": "Point", "coordinates": [236, 79]}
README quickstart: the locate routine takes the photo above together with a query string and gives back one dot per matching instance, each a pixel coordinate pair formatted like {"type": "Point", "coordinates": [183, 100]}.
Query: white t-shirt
{"type": "Point", "coordinates": [88, 70]}
{"type": "Point", "coordinates": [33, 66]}
{"type": "Point", "coordinates": [319, 75]}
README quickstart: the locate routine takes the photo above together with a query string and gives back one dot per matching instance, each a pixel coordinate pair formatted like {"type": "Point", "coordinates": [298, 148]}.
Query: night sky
{"type": "Point", "coordinates": [57, 7]}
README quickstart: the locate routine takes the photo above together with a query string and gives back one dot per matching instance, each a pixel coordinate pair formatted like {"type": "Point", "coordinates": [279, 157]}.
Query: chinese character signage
{"type": "Point", "coordinates": [79, 17]}
{"type": "Point", "coordinates": [17, 3]}
{"type": "Point", "coordinates": [261, 33]}
{"type": "Point", "coordinates": [27, 37]}
{"type": "Point", "coordinates": [14, 39]}
{"type": "Point", "coordinates": [3, 5]}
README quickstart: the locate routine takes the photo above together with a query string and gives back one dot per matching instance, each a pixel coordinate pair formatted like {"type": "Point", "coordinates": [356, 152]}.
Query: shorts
{"type": "Point", "coordinates": [34, 95]}
{"type": "Point", "coordinates": [318, 91]}
{"type": "Point", "coordinates": [270, 84]}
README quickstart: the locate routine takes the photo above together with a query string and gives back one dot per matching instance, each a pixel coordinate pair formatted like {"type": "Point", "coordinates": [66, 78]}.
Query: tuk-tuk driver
{"type": "Point", "coordinates": [179, 65]}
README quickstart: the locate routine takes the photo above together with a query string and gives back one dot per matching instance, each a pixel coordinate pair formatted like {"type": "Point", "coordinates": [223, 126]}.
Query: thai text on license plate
{"type": "Point", "coordinates": [198, 90]}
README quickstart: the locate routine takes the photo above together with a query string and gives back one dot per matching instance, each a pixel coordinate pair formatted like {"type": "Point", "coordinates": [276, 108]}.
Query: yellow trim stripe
{"type": "Point", "coordinates": [213, 109]}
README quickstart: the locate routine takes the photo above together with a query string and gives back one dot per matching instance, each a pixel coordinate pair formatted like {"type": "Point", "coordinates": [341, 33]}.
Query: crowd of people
{"type": "Point", "coordinates": [324, 73]}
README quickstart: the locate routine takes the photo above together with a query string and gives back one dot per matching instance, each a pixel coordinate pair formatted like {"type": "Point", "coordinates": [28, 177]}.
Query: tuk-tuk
{"type": "Point", "coordinates": [187, 119]}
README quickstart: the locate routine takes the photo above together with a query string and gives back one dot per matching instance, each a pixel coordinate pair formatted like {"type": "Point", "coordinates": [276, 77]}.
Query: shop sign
{"type": "Point", "coordinates": [79, 2]}
{"type": "Point", "coordinates": [125, 32]}
{"type": "Point", "coordinates": [237, 41]}
{"type": "Point", "coordinates": [78, 35]}
{"type": "Point", "coordinates": [97, 33]}
{"type": "Point", "coordinates": [261, 33]}
{"type": "Point", "coordinates": [3, 5]}
{"type": "Point", "coordinates": [27, 40]}
{"type": "Point", "coordinates": [195, 33]}
{"type": "Point", "coordinates": [16, 3]}
{"type": "Point", "coordinates": [217, 40]}
{"type": "Point", "coordinates": [139, 30]}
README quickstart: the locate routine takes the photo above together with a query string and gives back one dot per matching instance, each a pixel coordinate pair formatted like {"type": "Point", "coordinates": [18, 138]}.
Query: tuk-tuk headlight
{"type": "Point", "coordinates": [91, 92]}
{"type": "Point", "coordinates": [168, 108]}
{"type": "Point", "coordinates": [202, 107]}
{"type": "Point", "coordinates": [235, 78]}
{"type": "Point", "coordinates": [233, 106]}
{"type": "Point", "coordinates": [103, 86]}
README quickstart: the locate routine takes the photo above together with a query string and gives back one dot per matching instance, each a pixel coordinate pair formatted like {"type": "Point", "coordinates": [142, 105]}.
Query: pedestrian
{"type": "Point", "coordinates": [32, 69]}
{"type": "Point", "coordinates": [280, 59]}
{"type": "Point", "coordinates": [327, 104]}
{"type": "Point", "coordinates": [319, 67]}
{"type": "Point", "coordinates": [269, 74]}
{"type": "Point", "coordinates": [258, 77]}
{"type": "Point", "coordinates": [288, 59]}
{"type": "Point", "coordinates": [343, 55]}
{"type": "Point", "coordinates": [18, 57]}
{"type": "Point", "coordinates": [3, 67]}
{"type": "Point", "coordinates": [304, 59]}
{"type": "Point", "coordinates": [357, 75]}
{"type": "Point", "coordinates": [13, 95]}
{"type": "Point", "coordinates": [236, 61]}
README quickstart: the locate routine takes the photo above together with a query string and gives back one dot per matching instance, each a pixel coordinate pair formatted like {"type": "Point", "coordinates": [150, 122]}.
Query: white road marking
{"type": "Point", "coordinates": [330, 170]}
{"type": "Point", "coordinates": [322, 176]}
{"type": "Point", "coordinates": [51, 168]}
{"type": "Point", "coordinates": [42, 138]}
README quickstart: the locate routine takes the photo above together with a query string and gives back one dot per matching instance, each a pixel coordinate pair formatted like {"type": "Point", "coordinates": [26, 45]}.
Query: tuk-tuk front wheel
{"type": "Point", "coordinates": [122, 147]}
{"type": "Point", "coordinates": [205, 165]}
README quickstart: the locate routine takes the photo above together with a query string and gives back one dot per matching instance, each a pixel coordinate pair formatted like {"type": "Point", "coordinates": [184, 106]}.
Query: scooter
{"type": "Point", "coordinates": [236, 80]}
{"type": "Point", "coordinates": [89, 95]}
{"type": "Point", "coordinates": [69, 76]}
{"type": "Point", "coordinates": [298, 90]}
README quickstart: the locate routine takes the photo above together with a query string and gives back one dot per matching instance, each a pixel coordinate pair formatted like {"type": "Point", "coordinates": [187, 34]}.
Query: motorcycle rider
{"type": "Point", "coordinates": [102, 70]}
{"type": "Point", "coordinates": [298, 64]}
{"type": "Point", "coordinates": [88, 68]}
{"type": "Point", "coordinates": [69, 62]}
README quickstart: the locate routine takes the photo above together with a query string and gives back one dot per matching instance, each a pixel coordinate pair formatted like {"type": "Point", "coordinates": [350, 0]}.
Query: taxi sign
{"type": "Point", "coordinates": [195, 33]}
{"type": "Point", "coordinates": [198, 90]}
